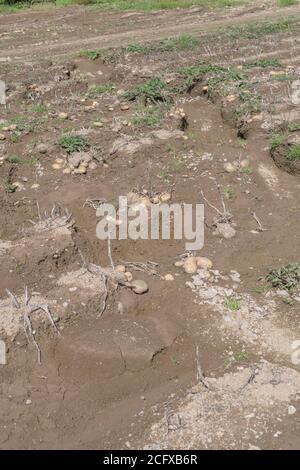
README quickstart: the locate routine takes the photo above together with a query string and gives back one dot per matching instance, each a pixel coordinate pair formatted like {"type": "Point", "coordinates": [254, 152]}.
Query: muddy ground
{"type": "Point", "coordinates": [204, 358]}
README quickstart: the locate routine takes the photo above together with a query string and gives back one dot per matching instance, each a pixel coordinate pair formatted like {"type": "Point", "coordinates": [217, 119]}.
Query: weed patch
{"type": "Point", "coordinates": [73, 143]}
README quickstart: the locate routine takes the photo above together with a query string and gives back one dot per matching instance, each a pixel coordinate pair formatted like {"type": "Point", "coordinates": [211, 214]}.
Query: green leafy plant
{"type": "Point", "coordinates": [294, 126]}
{"type": "Point", "coordinates": [287, 277]}
{"type": "Point", "coordinates": [228, 193]}
{"type": "Point", "coordinates": [293, 153]}
{"type": "Point", "coordinates": [148, 115]}
{"type": "Point", "coordinates": [287, 3]}
{"type": "Point", "coordinates": [14, 159]}
{"type": "Point", "coordinates": [277, 140]}
{"type": "Point", "coordinates": [92, 55]}
{"type": "Point", "coordinates": [264, 63]}
{"type": "Point", "coordinates": [179, 43]}
{"type": "Point", "coordinates": [153, 91]}
{"type": "Point", "coordinates": [241, 356]}
{"type": "Point", "coordinates": [97, 90]}
{"type": "Point", "coordinates": [11, 188]}
{"type": "Point", "coordinates": [73, 143]}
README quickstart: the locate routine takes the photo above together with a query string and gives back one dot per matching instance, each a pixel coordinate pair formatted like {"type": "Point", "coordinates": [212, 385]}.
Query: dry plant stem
{"type": "Point", "coordinates": [149, 267]}
{"type": "Point", "coordinates": [261, 228]}
{"type": "Point", "coordinates": [200, 376]}
{"type": "Point", "coordinates": [28, 310]}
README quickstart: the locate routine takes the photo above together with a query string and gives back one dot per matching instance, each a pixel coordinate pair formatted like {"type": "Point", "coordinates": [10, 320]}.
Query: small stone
{"type": "Point", "coordinates": [93, 165]}
{"type": "Point", "coordinates": [121, 268]}
{"type": "Point", "coordinates": [42, 148]}
{"type": "Point", "coordinates": [129, 276]}
{"type": "Point", "coordinates": [124, 107]}
{"type": "Point", "coordinates": [132, 198]}
{"type": "Point", "coordinates": [63, 115]}
{"type": "Point", "coordinates": [230, 167]}
{"type": "Point", "coordinates": [81, 170]}
{"type": "Point", "coordinates": [20, 186]}
{"type": "Point", "coordinates": [190, 265]}
{"type": "Point", "coordinates": [245, 163]}
{"type": "Point", "coordinates": [56, 166]}
{"type": "Point", "coordinates": [145, 201]}
{"type": "Point", "coordinates": [67, 171]}
{"type": "Point", "coordinates": [165, 197]}
{"type": "Point", "coordinates": [231, 98]}
{"type": "Point", "coordinates": [28, 401]}
{"type": "Point", "coordinates": [179, 264]}
{"type": "Point", "coordinates": [204, 263]}
{"type": "Point", "coordinates": [155, 200]}
{"type": "Point", "coordinates": [168, 277]}
{"type": "Point", "coordinates": [98, 124]}
{"type": "Point", "coordinates": [35, 186]}
{"type": "Point", "coordinates": [59, 160]}
{"type": "Point", "coordinates": [2, 137]}
{"type": "Point", "coordinates": [139, 286]}
{"type": "Point", "coordinates": [291, 410]}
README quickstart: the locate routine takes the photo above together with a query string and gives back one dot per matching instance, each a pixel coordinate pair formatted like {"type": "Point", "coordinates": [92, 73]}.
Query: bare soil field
{"type": "Point", "coordinates": [183, 106]}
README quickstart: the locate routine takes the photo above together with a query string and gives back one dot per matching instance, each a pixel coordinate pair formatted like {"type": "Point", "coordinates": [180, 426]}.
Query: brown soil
{"type": "Point", "coordinates": [117, 380]}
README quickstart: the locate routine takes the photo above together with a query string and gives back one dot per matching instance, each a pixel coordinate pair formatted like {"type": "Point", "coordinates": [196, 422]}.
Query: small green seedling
{"type": "Point", "coordinates": [232, 303]}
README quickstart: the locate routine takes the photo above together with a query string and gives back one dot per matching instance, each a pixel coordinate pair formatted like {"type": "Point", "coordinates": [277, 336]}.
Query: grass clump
{"type": "Point", "coordinates": [264, 63]}
{"type": "Point", "coordinates": [287, 3]}
{"type": "Point", "coordinates": [97, 90]}
{"type": "Point", "coordinates": [73, 144]}
{"type": "Point", "coordinates": [257, 30]}
{"type": "Point", "coordinates": [287, 277]}
{"type": "Point", "coordinates": [11, 188]}
{"type": "Point", "coordinates": [153, 91]}
{"type": "Point", "coordinates": [150, 5]}
{"type": "Point", "coordinates": [92, 55]}
{"type": "Point", "coordinates": [232, 303]}
{"type": "Point", "coordinates": [294, 126]}
{"type": "Point", "coordinates": [14, 159]}
{"type": "Point", "coordinates": [277, 141]}
{"type": "Point", "coordinates": [194, 74]}
{"type": "Point", "coordinates": [180, 43]}
{"type": "Point", "coordinates": [150, 116]}
{"type": "Point", "coordinates": [145, 49]}
{"type": "Point", "coordinates": [293, 153]}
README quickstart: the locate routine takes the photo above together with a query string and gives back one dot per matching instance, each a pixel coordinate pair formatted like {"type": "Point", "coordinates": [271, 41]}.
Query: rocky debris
{"type": "Point", "coordinates": [79, 158]}
{"type": "Point", "coordinates": [251, 395]}
{"type": "Point", "coordinates": [224, 230]}
{"type": "Point", "coordinates": [240, 312]}
{"type": "Point", "coordinates": [82, 280]}
{"type": "Point", "coordinates": [2, 136]}
{"type": "Point", "coordinates": [147, 198]}
{"type": "Point", "coordinates": [169, 277]}
{"type": "Point", "coordinates": [192, 263]}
